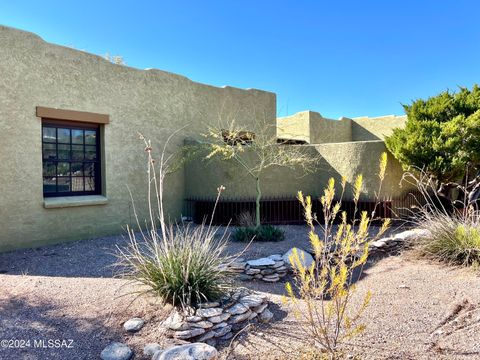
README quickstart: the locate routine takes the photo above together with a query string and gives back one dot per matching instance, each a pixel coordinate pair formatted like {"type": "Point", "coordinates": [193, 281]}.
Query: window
{"type": "Point", "coordinates": [71, 158]}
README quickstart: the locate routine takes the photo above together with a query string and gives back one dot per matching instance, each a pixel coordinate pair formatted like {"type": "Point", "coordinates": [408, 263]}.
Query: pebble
{"type": "Point", "coordinates": [151, 349]}
{"type": "Point", "coordinates": [195, 351]}
{"type": "Point", "coordinates": [175, 322]}
{"type": "Point", "coordinates": [237, 309]}
{"type": "Point", "coordinates": [275, 257]}
{"type": "Point", "coordinates": [133, 325]}
{"type": "Point", "coordinates": [202, 324]}
{"type": "Point", "coordinates": [116, 351]}
{"type": "Point", "coordinates": [239, 318]}
{"type": "Point", "coordinates": [261, 262]}
{"type": "Point", "coordinates": [251, 300]}
{"type": "Point", "coordinates": [265, 316]}
{"type": "Point", "coordinates": [208, 305]}
{"type": "Point", "coordinates": [209, 312]}
{"type": "Point", "coordinates": [220, 318]}
{"type": "Point", "coordinates": [188, 334]}
{"type": "Point", "coordinates": [223, 331]}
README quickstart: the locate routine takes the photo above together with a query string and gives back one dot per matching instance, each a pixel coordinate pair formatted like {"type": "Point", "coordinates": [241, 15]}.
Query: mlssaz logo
{"type": "Point", "coordinates": [53, 344]}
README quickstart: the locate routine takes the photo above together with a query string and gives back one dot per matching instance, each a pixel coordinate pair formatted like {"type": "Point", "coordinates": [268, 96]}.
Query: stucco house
{"type": "Point", "coordinates": [69, 142]}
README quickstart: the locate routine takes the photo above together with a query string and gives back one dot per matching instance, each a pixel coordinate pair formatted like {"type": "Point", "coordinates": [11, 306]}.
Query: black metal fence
{"type": "Point", "coordinates": [273, 210]}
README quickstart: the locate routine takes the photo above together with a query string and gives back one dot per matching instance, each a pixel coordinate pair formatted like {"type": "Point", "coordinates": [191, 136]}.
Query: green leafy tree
{"type": "Point", "coordinates": [442, 137]}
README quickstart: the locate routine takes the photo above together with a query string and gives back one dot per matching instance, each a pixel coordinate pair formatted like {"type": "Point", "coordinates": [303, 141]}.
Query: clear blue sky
{"type": "Point", "coordinates": [348, 58]}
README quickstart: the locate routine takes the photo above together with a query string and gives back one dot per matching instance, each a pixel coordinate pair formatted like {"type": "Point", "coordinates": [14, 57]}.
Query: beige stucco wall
{"type": "Point", "coordinates": [336, 160]}
{"type": "Point", "coordinates": [312, 127]}
{"type": "Point", "coordinates": [36, 73]}
{"type": "Point", "coordinates": [375, 128]}
{"type": "Point", "coordinates": [323, 130]}
{"type": "Point", "coordinates": [294, 127]}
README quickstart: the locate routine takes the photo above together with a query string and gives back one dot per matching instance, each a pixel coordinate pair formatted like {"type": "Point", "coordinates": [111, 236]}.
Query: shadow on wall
{"type": "Point", "coordinates": [359, 133]}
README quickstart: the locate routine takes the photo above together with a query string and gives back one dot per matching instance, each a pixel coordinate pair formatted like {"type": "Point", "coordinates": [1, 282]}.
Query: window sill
{"type": "Point", "coordinates": [74, 201]}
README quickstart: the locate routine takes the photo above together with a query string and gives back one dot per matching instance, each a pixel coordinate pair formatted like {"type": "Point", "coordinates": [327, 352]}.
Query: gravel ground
{"type": "Point", "coordinates": [419, 310]}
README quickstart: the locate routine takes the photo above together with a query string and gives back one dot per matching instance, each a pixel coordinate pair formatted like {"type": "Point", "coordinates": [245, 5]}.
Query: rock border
{"type": "Point", "coordinates": [218, 321]}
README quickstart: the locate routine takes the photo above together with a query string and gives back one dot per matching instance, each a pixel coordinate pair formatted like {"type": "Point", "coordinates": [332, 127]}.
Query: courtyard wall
{"type": "Point", "coordinates": [36, 73]}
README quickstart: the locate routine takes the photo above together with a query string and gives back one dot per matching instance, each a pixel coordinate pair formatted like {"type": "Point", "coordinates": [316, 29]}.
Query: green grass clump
{"type": "Point", "coordinates": [454, 240]}
{"type": "Point", "coordinates": [261, 233]}
{"type": "Point", "coordinates": [186, 268]}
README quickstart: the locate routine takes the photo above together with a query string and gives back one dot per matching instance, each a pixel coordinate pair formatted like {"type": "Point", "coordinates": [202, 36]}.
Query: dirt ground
{"type": "Point", "coordinates": [69, 292]}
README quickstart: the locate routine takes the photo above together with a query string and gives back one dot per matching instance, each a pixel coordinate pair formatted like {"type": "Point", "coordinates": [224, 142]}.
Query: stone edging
{"type": "Point", "coordinates": [218, 321]}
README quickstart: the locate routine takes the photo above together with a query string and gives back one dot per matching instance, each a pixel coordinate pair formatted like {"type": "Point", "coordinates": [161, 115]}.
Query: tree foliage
{"type": "Point", "coordinates": [256, 151]}
{"type": "Point", "coordinates": [441, 136]}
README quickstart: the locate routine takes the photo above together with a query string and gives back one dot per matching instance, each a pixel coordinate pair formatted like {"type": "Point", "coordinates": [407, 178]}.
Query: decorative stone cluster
{"type": "Point", "coordinates": [394, 244]}
{"type": "Point", "coordinates": [218, 321]}
{"type": "Point", "coordinates": [269, 269]}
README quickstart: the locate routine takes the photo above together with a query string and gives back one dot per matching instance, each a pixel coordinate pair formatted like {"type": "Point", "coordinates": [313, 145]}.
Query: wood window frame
{"type": "Point", "coordinates": [76, 120]}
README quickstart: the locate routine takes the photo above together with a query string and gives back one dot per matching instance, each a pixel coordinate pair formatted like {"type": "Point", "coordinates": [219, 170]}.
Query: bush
{"type": "Point", "coordinates": [453, 226]}
{"type": "Point", "coordinates": [185, 269]}
{"type": "Point", "coordinates": [261, 233]}
{"type": "Point", "coordinates": [454, 239]}
{"type": "Point", "coordinates": [183, 265]}
{"type": "Point", "coordinates": [321, 294]}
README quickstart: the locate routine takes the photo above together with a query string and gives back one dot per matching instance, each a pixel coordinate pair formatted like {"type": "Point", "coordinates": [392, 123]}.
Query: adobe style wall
{"type": "Point", "coordinates": [156, 103]}
{"type": "Point", "coordinates": [347, 159]}
{"type": "Point", "coordinates": [312, 127]}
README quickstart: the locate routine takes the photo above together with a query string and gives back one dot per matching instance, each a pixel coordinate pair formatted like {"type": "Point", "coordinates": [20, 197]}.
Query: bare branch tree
{"type": "Point", "coordinates": [255, 151]}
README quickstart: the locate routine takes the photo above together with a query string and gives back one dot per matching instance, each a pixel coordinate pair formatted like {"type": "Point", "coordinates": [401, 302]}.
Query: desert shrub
{"type": "Point", "coordinates": [186, 268]}
{"type": "Point", "coordinates": [452, 239]}
{"type": "Point", "coordinates": [321, 294]}
{"type": "Point", "coordinates": [246, 219]}
{"type": "Point", "coordinates": [183, 265]}
{"type": "Point", "coordinates": [260, 233]}
{"type": "Point", "coordinates": [450, 236]}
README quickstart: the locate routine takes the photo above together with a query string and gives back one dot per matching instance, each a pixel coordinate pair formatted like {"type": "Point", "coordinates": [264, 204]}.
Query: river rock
{"type": "Point", "coordinates": [239, 318]}
{"type": "Point", "coordinates": [305, 258]}
{"type": "Point", "coordinates": [208, 305]}
{"type": "Point", "coordinates": [261, 262]}
{"type": "Point", "coordinates": [237, 309]}
{"type": "Point", "coordinates": [175, 322]}
{"type": "Point", "coordinates": [188, 334]}
{"type": "Point", "coordinates": [265, 316]}
{"type": "Point", "coordinates": [133, 325]}
{"type": "Point", "coordinates": [260, 308]}
{"type": "Point", "coordinates": [195, 351]}
{"type": "Point", "coordinates": [275, 257]}
{"type": "Point", "coordinates": [251, 300]}
{"type": "Point", "coordinates": [206, 313]}
{"type": "Point", "coordinates": [222, 331]}
{"type": "Point", "coordinates": [202, 324]}
{"type": "Point", "coordinates": [116, 351]}
{"type": "Point", "coordinates": [151, 349]}
{"type": "Point", "coordinates": [220, 318]}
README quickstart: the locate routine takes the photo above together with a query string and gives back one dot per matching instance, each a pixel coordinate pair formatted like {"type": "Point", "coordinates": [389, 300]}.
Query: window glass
{"type": "Point", "coordinates": [70, 157]}
{"type": "Point", "coordinates": [77, 136]}
{"type": "Point", "coordinates": [63, 135]}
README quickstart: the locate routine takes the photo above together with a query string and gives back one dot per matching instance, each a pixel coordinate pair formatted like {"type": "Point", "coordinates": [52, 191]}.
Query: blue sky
{"type": "Point", "coordinates": [341, 58]}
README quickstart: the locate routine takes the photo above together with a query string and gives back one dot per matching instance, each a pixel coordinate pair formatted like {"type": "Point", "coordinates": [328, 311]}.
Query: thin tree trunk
{"type": "Point", "coordinates": [257, 203]}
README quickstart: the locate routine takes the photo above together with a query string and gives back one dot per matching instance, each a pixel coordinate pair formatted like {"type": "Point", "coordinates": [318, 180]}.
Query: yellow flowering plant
{"type": "Point", "coordinates": [321, 293]}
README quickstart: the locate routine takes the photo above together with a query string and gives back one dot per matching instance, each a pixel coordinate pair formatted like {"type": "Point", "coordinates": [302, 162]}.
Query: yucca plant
{"type": "Point", "coordinates": [182, 264]}
{"type": "Point", "coordinates": [321, 294]}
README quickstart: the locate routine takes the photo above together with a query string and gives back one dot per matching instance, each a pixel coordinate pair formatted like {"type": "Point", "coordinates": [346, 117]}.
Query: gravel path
{"type": "Point", "coordinates": [69, 291]}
